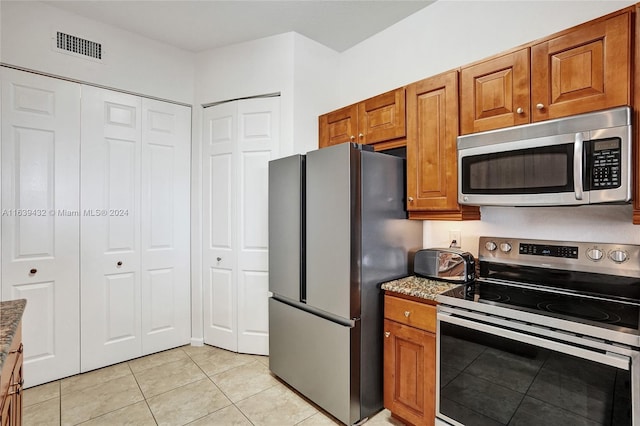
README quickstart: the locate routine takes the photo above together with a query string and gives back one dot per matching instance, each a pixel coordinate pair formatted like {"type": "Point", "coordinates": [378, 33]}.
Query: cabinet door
{"type": "Point", "coordinates": [339, 126]}
{"type": "Point", "coordinates": [165, 276]}
{"type": "Point", "coordinates": [584, 70]}
{"type": "Point", "coordinates": [110, 238]}
{"type": "Point", "coordinates": [495, 93]}
{"type": "Point", "coordinates": [40, 219]}
{"type": "Point", "coordinates": [409, 373]}
{"type": "Point", "coordinates": [382, 117]}
{"type": "Point", "coordinates": [432, 180]}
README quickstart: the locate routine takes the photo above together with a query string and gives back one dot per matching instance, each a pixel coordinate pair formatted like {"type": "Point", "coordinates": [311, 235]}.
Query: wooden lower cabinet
{"type": "Point", "coordinates": [410, 362]}
{"type": "Point", "coordinates": [11, 382]}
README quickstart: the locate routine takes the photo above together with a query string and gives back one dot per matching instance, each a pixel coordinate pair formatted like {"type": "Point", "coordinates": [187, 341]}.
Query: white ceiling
{"type": "Point", "coordinates": [206, 24]}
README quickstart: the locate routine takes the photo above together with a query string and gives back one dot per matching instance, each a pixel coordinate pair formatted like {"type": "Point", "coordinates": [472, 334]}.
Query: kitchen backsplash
{"type": "Point", "coordinates": [603, 223]}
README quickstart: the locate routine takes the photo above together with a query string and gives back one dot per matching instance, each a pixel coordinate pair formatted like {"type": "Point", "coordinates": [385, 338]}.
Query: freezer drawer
{"type": "Point", "coordinates": [320, 367]}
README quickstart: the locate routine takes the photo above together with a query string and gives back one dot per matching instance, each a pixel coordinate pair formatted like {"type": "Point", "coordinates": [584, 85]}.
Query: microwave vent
{"type": "Point", "coordinates": [78, 46]}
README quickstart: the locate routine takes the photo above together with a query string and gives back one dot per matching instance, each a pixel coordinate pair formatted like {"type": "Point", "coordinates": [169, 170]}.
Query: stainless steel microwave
{"type": "Point", "coordinates": [582, 159]}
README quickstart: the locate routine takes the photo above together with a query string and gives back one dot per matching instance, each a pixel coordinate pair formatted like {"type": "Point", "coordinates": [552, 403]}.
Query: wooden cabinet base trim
{"type": "Point", "coordinates": [472, 213]}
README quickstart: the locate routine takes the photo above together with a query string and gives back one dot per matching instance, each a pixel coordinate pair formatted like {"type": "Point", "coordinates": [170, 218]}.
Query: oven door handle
{"type": "Point", "coordinates": [614, 360]}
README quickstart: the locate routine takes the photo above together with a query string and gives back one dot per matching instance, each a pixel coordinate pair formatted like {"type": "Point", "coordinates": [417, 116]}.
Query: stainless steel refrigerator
{"type": "Point", "coordinates": [337, 230]}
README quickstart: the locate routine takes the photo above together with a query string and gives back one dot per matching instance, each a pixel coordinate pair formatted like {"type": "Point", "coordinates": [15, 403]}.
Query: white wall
{"type": "Point", "coordinates": [131, 62]}
{"type": "Point", "coordinates": [449, 34]}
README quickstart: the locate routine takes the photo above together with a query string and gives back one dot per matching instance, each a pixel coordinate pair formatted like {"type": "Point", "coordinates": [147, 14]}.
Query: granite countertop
{"type": "Point", "coordinates": [423, 288]}
{"type": "Point", "coordinates": [10, 316]}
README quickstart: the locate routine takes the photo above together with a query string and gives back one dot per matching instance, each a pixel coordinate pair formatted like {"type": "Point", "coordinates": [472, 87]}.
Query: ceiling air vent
{"type": "Point", "coordinates": [78, 46]}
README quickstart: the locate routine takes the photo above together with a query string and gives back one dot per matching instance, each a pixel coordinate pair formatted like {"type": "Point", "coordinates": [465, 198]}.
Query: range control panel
{"type": "Point", "coordinates": [609, 258]}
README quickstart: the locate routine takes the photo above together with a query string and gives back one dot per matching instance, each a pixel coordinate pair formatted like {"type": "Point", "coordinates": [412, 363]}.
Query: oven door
{"type": "Point", "coordinates": [488, 374]}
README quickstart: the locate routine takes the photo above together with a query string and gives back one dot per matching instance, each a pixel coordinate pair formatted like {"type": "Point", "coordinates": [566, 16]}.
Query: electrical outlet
{"type": "Point", "coordinates": [455, 238]}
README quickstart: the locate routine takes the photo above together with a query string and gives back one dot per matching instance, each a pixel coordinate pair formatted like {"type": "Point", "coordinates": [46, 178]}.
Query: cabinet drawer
{"type": "Point", "coordinates": [415, 314]}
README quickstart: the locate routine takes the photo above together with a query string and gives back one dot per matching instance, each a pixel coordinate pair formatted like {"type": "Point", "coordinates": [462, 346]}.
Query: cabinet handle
{"type": "Point", "coordinates": [353, 138]}
{"type": "Point", "coordinates": [520, 110]}
{"type": "Point", "coordinates": [119, 263]}
{"type": "Point", "coordinates": [33, 271]}
{"type": "Point", "coordinates": [540, 106]}
{"type": "Point", "coordinates": [410, 199]}
{"type": "Point", "coordinates": [387, 333]}
{"type": "Point", "coordinates": [407, 313]}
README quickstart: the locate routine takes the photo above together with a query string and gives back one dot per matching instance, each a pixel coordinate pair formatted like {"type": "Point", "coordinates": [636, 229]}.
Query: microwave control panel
{"type": "Point", "coordinates": [606, 158]}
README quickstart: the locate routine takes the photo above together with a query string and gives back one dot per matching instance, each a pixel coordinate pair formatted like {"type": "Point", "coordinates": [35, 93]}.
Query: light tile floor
{"type": "Point", "coordinates": [188, 385]}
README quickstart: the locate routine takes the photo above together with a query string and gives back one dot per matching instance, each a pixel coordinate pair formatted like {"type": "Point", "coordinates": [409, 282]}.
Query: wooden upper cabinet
{"type": "Point", "coordinates": [583, 69]}
{"type": "Point", "coordinates": [432, 171]}
{"type": "Point", "coordinates": [338, 126]}
{"type": "Point", "coordinates": [378, 119]}
{"type": "Point", "coordinates": [495, 93]}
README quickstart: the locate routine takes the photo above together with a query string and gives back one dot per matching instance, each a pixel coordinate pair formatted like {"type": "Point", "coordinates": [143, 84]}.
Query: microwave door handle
{"type": "Point", "coordinates": [577, 165]}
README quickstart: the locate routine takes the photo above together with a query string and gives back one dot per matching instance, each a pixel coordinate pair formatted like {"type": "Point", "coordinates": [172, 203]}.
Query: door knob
{"type": "Point", "coordinates": [218, 259]}
{"type": "Point", "coordinates": [119, 263]}
{"type": "Point", "coordinates": [33, 271]}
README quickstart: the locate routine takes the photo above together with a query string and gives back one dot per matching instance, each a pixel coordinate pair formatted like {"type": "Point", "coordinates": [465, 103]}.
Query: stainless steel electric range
{"type": "Point", "coordinates": [547, 335]}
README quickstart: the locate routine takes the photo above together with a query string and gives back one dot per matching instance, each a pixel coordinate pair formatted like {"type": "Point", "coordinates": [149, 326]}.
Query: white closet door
{"type": "Point", "coordinates": [110, 236]}
{"type": "Point", "coordinates": [239, 140]}
{"type": "Point", "coordinates": [219, 226]}
{"type": "Point", "coordinates": [166, 150]}
{"type": "Point", "coordinates": [40, 218]}
{"type": "Point", "coordinates": [258, 137]}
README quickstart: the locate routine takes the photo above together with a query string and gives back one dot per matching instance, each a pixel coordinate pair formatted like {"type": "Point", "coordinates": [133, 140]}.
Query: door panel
{"type": "Point", "coordinates": [219, 224]}
{"type": "Point", "coordinates": [40, 220]}
{"type": "Point", "coordinates": [110, 240]}
{"type": "Point", "coordinates": [258, 135]}
{"type": "Point", "coordinates": [330, 182]}
{"type": "Point", "coordinates": [166, 150]}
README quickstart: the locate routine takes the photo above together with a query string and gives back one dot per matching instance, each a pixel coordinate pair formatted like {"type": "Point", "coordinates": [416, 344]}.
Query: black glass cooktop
{"type": "Point", "coordinates": [600, 300]}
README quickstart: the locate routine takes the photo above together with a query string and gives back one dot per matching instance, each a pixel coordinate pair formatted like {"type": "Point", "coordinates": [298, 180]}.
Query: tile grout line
{"type": "Point", "coordinates": [143, 395]}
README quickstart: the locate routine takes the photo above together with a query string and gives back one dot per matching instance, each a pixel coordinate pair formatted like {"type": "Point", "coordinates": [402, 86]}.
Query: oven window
{"type": "Point", "coordinates": [490, 380]}
{"type": "Point", "coordinates": [546, 169]}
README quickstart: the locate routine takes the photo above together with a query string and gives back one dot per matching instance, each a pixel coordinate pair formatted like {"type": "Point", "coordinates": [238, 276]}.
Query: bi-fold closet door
{"type": "Point", "coordinates": [40, 223]}
{"type": "Point", "coordinates": [135, 184]}
{"type": "Point", "coordinates": [91, 178]}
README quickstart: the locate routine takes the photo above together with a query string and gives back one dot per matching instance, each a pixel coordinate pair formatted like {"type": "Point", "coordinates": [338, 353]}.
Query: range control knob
{"type": "Point", "coordinates": [595, 254]}
{"type": "Point", "coordinates": [505, 247]}
{"type": "Point", "coordinates": [490, 245]}
{"type": "Point", "coordinates": [618, 256]}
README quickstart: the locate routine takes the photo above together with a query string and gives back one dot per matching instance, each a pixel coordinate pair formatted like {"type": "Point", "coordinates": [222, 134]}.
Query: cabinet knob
{"type": "Point", "coordinates": [387, 333]}
{"type": "Point", "coordinates": [539, 106]}
{"type": "Point", "coordinates": [520, 110]}
{"type": "Point", "coordinates": [410, 199]}
{"type": "Point", "coordinates": [353, 138]}
{"type": "Point", "coordinates": [407, 313]}
{"type": "Point", "coordinates": [33, 271]}
{"type": "Point", "coordinates": [360, 135]}
{"type": "Point", "coordinates": [119, 263]}
{"type": "Point", "coordinates": [218, 259]}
